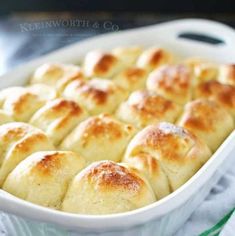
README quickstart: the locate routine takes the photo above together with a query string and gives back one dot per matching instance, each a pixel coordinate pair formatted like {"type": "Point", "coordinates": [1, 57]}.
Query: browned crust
{"type": "Point", "coordinates": [156, 57]}
{"type": "Point", "coordinates": [49, 163]}
{"type": "Point", "coordinates": [105, 62]}
{"type": "Point", "coordinates": [202, 115]}
{"type": "Point", "coordinates": [19, 103]}
{"type": "Point", "coordinates": [13, 131]}
{"type": "Point", "coordinates": [224, 94]}
{"type": "Point", "coordinates": [177, 76]}
{"type": "Point", "coordinates": [134, 73]}
{"type": "Point", "coordinates": [87, 89]}
{"type": "Point", "coordinates": [150, 104]}
{"type": "Point", "coordinates": [100, 126]}
{"type": "Point", "coordinates": [68, 79]}
{"type": "Point", "coordinates": [25, 144]}
{"type": "Point", "coordinates": [166, 140]}
{"type": "Point", "coordinates": [66, 105]}
{"type": "Point", "coordinates": [108, 174]}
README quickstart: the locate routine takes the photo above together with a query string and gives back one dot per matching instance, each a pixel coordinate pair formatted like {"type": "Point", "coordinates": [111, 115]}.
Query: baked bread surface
{"type": "Point", "coordinates": [117, 131]}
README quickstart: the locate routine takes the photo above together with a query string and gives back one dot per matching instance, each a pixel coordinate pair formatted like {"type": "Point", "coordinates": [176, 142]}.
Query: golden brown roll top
{"type": "Point", "coordinates": [96, 95]}
{"type": "Point", "coordinates": [17, 141]}
{"type": "Point", "coordinates": [221, 93]}
{"type": "Point", "coordinates": [20, 103]}
{"type": "Point", "coordinates": [57, 75]}
{"type": "Point", "coordinates": [179, 153]}
{"type": "Point", "coordinates": [99, 138]}
{"type": "Point", "coordinates": [57, 118]}
{"type": "Point", "coordinates": [208, 120]}
{"type": "Point", "coordinates": [128, 54]}
{"type": "Point", "coordinates": [204, 72]}
{"type": "Point", "coordinates": [105, 188]}
{"type": "Point", "coordinates": [131, 78]}
{"type": "Point", "coordinates": [145, 107]}
{"type": "Point", "coordinates": [173, 82]}
{"type": "Point", "coordinates": [43, 177]}
{"type": "Point", "coordinates": [101, 64]}
{"type": "Point", "coordinates": [153, 57]}
{"type": "Point", "coordinates": [227, 74]}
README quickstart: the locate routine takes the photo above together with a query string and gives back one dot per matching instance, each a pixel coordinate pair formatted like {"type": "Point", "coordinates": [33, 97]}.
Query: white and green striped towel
{"type": "Point", "coordinates": [216, 214]}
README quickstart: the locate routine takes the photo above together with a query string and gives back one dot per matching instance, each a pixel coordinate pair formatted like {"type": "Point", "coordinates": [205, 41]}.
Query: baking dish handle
{"type": "Point", "coordinates": [207, 28]}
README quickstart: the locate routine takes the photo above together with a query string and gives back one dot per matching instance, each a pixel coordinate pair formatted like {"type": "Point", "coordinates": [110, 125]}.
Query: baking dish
{"type": "Point", "coordinates": [167, 215]}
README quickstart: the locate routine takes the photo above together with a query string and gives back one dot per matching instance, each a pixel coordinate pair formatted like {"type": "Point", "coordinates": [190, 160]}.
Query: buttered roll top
{"type": "Point", "coordinates": [99, 137]}
{"type": "Point", "coordinates": [154, 57]}
{"type": "Point", "coordinates": [101, 64]}
{"type": "Point", "coordinates": [107, 187]}
{"type": "Point", "coordinates": [96, 95]}
{"type": "Point", "coordinates": [58, 117]}
{"type": "Point", "coordinates": [43, 177]}
{"type": "Point", "coordinates": [145, 107]}
{"type": "Point", "coordinates": [221, 93]}
{"type": "Point", "coordinates": [173, 82]}
{"type": "Point", "coordinates": [178, 152]}
{"type": "Point", "coordinates": [57, 75]}
{"type": "Point", "coordinates": [17, 141]}
{"type": "Point", "coordinates": [208, 120]}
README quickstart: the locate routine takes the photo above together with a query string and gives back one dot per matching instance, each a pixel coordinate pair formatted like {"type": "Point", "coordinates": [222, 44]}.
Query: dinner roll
{"type": "Point", "coordinates": [202, 67]}
{"type": "Point", "coordinates": [57, 75]}
{"type": "Point", "coordinates": [20, 103]}
{"type": "Point", "coordinates": [96, 95]}
{"type": "Point", "coordinates": [221, 93]}
{"type": "Point", "coordinates": [204, 72]}
{"type": "Point", "coordinates": [173, 82]}
{"type": "Point", "coordinates": [5, 117]}
{"type": "Point", "coordinates": [208, 120]}
{"type": "Point", "coordinates": [153, 57]}
{"type": "Point", "coordinates": [57, 118]}
{"type": "Point", "coordinates": [179, 153]}
{"type": "Point", "coordinates": [98, 138]}
{"type": "Point", "coordinates": [6, 92]}
{"type": "Point", "coordinates": [17, 141]}
{"type": "Point", "coordinates": [131, 78]}
{"type": "Point", "coordinates": [43, 177]}
{"type": "Point", "coordinates": [152, 169]}
{"type": "Point", "coordinates": [227, 74]}
{"type": "Point", "coordinates": [107, 187]}
{"type": "Point", "coordinates": [101, 64]}
{"type": "Point", "coordinates": [145, 107]}
{"type": "Point", "coordinates": [127, 54]}
{"type": "Point", "coordinates": [44, 91]}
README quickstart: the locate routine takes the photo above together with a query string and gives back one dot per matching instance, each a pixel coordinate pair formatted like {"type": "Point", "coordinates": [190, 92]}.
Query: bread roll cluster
{"type": "Point", "coordinates": [119, 131]}
{"type": "Point", "coordinates": [56, 75]}
{"type": "Point", "coordinates": [57, 118]}
{"type": "Point", "coordinates": [97, 187]}
{"type": "Point", "coordinates": [17, 141]}
{"type": "Point", "coordinates": [95, 95]}
{"type": "Point", "coordinates": [145, 107]}
{"type": "Point", "coordinates": [99, 136]}
{"type": "Point", "coordinates": [168, 151]}
{"type": "Point", "coordinates": [44, 176]}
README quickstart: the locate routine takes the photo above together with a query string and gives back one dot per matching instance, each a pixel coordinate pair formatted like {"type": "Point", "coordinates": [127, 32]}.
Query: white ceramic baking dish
{"type": "Point", "coordinates": [163, 217]}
